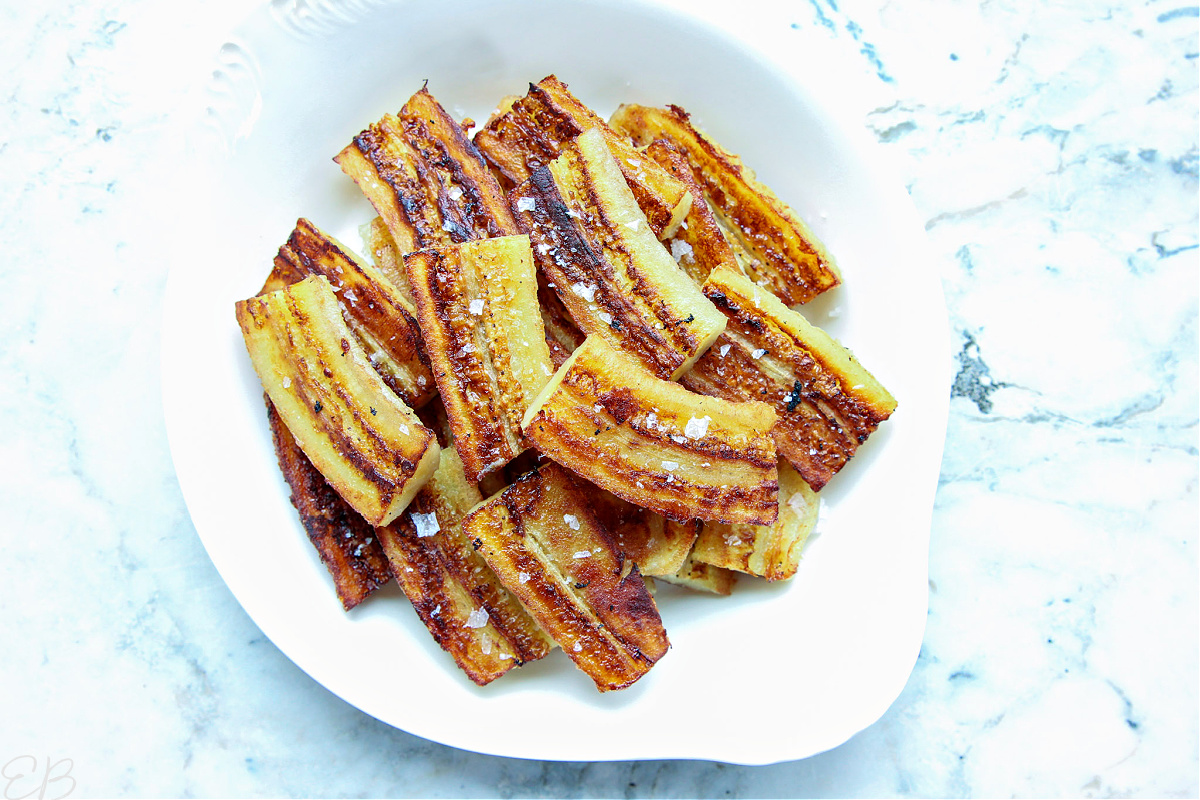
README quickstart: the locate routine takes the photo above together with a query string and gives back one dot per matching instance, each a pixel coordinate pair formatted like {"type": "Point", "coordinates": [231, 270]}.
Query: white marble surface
{"type": "Point", "coordinates": [1051, 149]}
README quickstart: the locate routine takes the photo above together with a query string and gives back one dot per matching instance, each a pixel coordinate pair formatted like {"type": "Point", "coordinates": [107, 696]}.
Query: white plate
{"type": "Point", "coordinates": [775, 672]}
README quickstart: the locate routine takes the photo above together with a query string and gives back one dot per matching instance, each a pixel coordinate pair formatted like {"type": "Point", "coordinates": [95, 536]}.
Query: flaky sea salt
{"type": "Point", "coordinates": [426, 524]}
{"type": "Point", "coordinates": [583, 290]}
{"type": "Point", "coordinates": [682, 251]}
{"type": "Point", "coordinates": [696, 427]}
{"type": "Point", "coordinates": [572, 521]}
{"type": "Point", "coordinates": [724, 349]}
{"type": "Point", "coordinates": [477, 618]}
{"type": "Point", "coordinates": [581, 554]}
{"type": "Point", "coordinates": [525, 204]}
{"type": "Point", "coordinates": [670, 466]}
{"type": "Point", "coordinates": [605, 317]}
{"type": "Point", "coordinates": [287, 382]}
{"type": "Point", "coordinates": [759, 353]}
{"type": "Point", "coordinates": [577, 647]}
{"type": "Point", "coordinates": [523, 577]}
{"type": "Point", "coordinates": [455, 193]}
{"type": "Point", "coordinates": [477, 306]}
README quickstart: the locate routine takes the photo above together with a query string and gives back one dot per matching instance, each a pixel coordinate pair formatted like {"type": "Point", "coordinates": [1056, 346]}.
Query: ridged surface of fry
{"type": "Point", "coordinates": [380, 317]}
{"type": "Point", "coordinates": [699, 246]}
{"type": "Point", "coordinates": [827, 403]}
{"type": "Point", "coordinates": [658, 545]}
{"type": "Point", "coordinates": [479, 314]}
{"type": "Point", "coordinates": [774, 243]}
{"type": "Point", "coordinates": [362, 438]}
{"type": "Point", "coordinates": [542, 540]}
{"type": "Point", "coordinates": [531, 132]}
{"type": "Point", "coordinates": [655, 444]}
{"type": "Point", "coordinates": [426, 179]}
{"type": "Point", "coordinates": [617, 281]}
{"type": "Point", "coordinates": [768, 551]}
{"type": "Point", "coordinates": [346, 543]}
{"type": "Point", "coordinates": [457, 596]}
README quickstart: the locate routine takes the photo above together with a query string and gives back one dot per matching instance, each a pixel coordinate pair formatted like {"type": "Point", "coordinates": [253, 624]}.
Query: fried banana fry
{"type": "Point", "coordinates": [827, 403]}
{"type": "Point", "coordinates": [530, 133]}
{"type": "Point", "coordinates": [346, 543]}
{"type": "Point", "coordinates": [457, 596]}
{"type": "Point", "coordinates": [778, 250]}
{"type": "Point", "coordinates": [425, 178]}
{"type": "Point", "coordinates": [362, 438]}
{"type": "Point", "coordinates": [591, 242]}
{"type": "Point", "coordinates": [655, 444]}
{"type": "Point", "coordinates": [768, 551]}
{"type": "Point", "coordinates": [541, 539]}
{"type": "Point", "coordinates": [479, 314]}
{"type": "Point", "coordinates": [699, 246]}
{"type": "Point", "coordinates": [380, 317]}
{"type": "Point", "coordinates": [659, 546]}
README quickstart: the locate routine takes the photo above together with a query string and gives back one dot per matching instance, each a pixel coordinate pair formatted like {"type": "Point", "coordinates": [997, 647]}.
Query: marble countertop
{"type": "Point", "coordinates": [1051, 149]}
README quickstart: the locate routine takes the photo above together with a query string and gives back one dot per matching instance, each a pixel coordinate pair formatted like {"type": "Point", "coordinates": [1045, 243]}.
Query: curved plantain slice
{"type": "Point", "coordinates": [530, 132]}
{"type": "Point", "coordinates": [457, 596]}
{"type": "Point", "coordinates": [768, 551]}
{"type": "Point", "coordinates": [425, 178]}
{"type": "Point", "coordinates": [776, 247]}
{"type": "Point", "coordinates": [364, 440]}
{"type": "Point", "coordinates": [699, 246]}
{"type": "Point", "coordinates": [616, 280]}
{"type": "Point", "coordinates": [827, 403]}
{"type": "Point", "coordinates": [542, 540]}
{"type": "Point", "coordinates": [379, 315]}
{"type": "Point", "coordinates": [655, 444]}
{"type": "Point", "coordinates": [479, 314]}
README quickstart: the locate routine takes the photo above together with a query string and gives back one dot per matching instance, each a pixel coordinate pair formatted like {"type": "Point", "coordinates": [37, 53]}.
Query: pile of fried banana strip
{"type": "Point", "coordinates": [569, 363]}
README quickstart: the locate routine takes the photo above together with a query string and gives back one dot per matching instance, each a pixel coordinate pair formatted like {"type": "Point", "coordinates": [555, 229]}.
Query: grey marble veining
{"type": "Point", "coordinates": [1051, 150]}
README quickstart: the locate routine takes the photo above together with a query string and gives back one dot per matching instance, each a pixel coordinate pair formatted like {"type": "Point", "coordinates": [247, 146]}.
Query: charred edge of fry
{"type": "Point", "coordinates": [469, 194]}
{"type": "Point", "coordinates": [342, 538]}
{"type": "Point", "coordinates": [381, 319]}
{"type": "Point", "coordinates": [564, 569]}
{"type": "Point", "coordinates": [464, 383]}
{"type": "Point", "coordinates": [827, 403]}
{"type": "Point", "coordinates": [699, 246]}
{"type": "Point", "coordinates": [775, 243]}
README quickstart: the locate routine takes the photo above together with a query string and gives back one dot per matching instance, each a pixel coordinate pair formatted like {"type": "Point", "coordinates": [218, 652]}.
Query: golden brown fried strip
{"type": "Point", "coordinates": [655, 444]}
{"type": "Point", "coordinates": [768, 551]}
{"type": "Point", "coordinates": [702, 577]}
{"type": "Point", "coordinates": [699, 246]}
{"type": "Point", "coordinates": [382, 320]}
{"type": "Point", "coordinates": [530, 133]}
{"type": "Point", "coordinates": [426, 180]}
{"type": "Point", "coordinates": [777, 248]}
{"type": "Point", "coordinates": [479, 314]}
{"type": "Point", "coordinates": [658, 546]}
{"type": "Point", "coordinates": [546, 546]}
{"type": "Point", "coordinates": [827, 403]}
{"type": "Point", "coordinates": [362, 438]}
{"type": "Point", "coordinates": [592, 244]}
{"type": "Point", "coordinates": [457, 596]}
